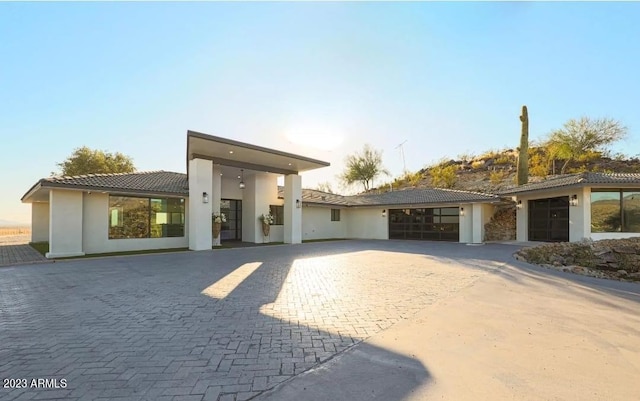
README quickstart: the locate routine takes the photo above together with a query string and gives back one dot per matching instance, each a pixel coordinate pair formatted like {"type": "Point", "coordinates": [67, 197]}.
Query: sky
{"type": "Point", "coordinates": [317, 79]}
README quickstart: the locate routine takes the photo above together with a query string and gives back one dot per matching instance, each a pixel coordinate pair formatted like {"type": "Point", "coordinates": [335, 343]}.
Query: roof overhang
{"type": "Point", "coordinates": [228, 152]}
{"type": "Point", "coordinates": [571, 187]}
{"type": "Point", "coordinates": [40, 191]}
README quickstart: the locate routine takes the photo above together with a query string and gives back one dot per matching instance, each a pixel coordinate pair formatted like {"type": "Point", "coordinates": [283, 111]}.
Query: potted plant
{"type": "Point", "coordinates": [217, 220]}
{"type": "Point", "coordinates": [267, 220]}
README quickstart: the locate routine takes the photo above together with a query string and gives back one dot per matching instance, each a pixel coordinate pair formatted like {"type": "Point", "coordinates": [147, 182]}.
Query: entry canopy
{"type": "Point", "coordinates": [228, 152]}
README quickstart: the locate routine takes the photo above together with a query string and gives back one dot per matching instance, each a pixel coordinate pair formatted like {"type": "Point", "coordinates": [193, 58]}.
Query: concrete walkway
{"type": "Point", "coordinates": [19, 254]}
{"type": "Point", "coordinates": [519, 333]}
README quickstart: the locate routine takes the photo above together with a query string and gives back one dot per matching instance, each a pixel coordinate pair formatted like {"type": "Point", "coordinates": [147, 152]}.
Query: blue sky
{"type": "Point", "coordinates": [449, 78]}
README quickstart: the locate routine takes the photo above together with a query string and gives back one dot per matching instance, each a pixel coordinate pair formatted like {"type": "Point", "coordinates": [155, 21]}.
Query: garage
{"type": "Point", "coordinates": [549, 219]}
{"type": "Point", "coordinates": [431, 224]}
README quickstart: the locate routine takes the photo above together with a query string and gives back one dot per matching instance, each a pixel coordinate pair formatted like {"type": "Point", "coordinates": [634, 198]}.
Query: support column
{"type": "Point", "coordinates": [200, 182]}
{"type": "Point", "coordinates": [65, 223]}
{"type": "Point", "coordinates": [292, 209]}
{"type": "Point", "coordinates": [216, 194]}
{"type": "Point", "coordinates": [477, 224]}
{"type": "Point", "coordinates": [522, 220]}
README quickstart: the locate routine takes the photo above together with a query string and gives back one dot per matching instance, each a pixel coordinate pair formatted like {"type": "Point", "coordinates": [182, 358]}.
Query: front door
{"type": "Point", "coordinates": [232, 229]}
{"type": "Point", "coordinates": [549, 219]}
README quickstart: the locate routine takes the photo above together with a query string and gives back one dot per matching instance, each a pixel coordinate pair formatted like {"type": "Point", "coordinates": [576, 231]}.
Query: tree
{"type": "Point", "coordinates": [325, 187]}
{"type": "Point", "coordinates": [88, 161]}
{"type": "Point", "coordinates": [363, 167]}
{"type": "Point", "coordinates": [584, 135]}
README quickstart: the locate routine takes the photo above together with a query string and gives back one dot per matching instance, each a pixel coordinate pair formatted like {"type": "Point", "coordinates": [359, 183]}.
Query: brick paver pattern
{"type": "Point", "coordinates": [19, 254]}
{"type": "Point", "coordinates": [148, 328]}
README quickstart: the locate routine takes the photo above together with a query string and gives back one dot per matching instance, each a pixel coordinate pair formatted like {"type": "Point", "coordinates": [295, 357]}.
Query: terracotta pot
{"type": "Point", "coordinates": [216, 229]}
{"type": "Point", "coordinates": [266, 228]}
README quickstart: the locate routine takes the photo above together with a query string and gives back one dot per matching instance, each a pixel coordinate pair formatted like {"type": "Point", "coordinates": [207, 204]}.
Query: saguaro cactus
{"type": "Point", "coordinates": [523, 150]}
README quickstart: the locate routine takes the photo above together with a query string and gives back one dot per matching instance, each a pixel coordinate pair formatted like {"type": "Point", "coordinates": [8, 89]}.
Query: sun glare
{"type": "Point", "coordinates": [222, 288]}
{"type": "Point", "coordinates": [315, 137]}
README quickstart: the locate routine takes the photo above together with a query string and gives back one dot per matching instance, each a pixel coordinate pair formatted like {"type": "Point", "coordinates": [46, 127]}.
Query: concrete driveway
{"type": "Point", "coordinates": [288, 322]}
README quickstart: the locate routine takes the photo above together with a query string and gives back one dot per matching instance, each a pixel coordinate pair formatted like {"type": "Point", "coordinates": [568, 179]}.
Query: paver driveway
{"type": "Point", "coordinates": [214, 325]}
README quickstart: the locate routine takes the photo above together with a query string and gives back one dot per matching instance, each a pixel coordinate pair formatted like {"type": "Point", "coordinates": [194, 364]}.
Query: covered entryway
{"type": "Point", "coordinates": [549, 219]}
{"type": "Point", "coordinates": [432, 224]}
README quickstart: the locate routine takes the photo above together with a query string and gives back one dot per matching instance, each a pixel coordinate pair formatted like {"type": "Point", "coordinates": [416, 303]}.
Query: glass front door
{"type": "Point", "coordinates": [232, 229]}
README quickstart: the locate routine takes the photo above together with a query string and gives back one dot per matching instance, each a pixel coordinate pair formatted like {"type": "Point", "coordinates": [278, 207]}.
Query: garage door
{"type": "Point", "coordinates": [433, 224]}
{"type": "Point", "coordinates": [549, 219]}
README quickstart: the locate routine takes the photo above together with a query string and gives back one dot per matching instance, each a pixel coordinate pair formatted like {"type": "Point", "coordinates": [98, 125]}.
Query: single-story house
{"type": "Point", "coordinates": [574, 207]}
{"type": "Point", "coordinates": [100, 213]}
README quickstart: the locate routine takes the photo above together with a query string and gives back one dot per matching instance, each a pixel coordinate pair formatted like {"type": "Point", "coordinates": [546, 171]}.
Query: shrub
{"type": "Point", "coordinates": [444, 177]}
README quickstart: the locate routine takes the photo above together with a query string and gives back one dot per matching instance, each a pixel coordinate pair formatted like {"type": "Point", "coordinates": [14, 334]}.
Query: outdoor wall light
{"type": "Point", "coordinates": [205, 197]}
{"type": "Point", "coordinates": [461, 211]}
{"type": "Point", "coordinates": [519, 204]}
{"type": "Point", "coordinates": [298, 203]}
{"type": "Point", "coordinates": [574, 200]}
{"type": "Point", "coordinates": [384, 212]}
{"type": "Point", "coordinates": [241, 185]}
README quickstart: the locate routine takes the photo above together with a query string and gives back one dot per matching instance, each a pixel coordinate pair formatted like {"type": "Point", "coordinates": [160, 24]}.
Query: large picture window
{"type": "Point", "coordinates": [134, 217]}
{"type": "Point", "coordinates": [615, 210]}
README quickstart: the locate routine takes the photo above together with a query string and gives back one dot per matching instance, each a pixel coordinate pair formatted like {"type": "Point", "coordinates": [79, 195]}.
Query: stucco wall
{"type": "Point", "coordinates": [367, 223]}
{"type": "Point", "coordinates": [95, 224]}
{"type": "Point", "coordinates": [65, 223]}
{"type": "Point", "coordinates": [317, 224]}
{"type": "Point", "coordinates": [466, 223]}
{"type": "Point", "coordinates": [40, 222]}
{"type": "Point", "coordinates": [261, 190]}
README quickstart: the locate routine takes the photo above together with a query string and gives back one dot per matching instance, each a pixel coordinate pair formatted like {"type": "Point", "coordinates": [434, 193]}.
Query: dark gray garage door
{"type": "Point", "coordinates": [549, 219]}
{"type": "Point", "coordinates": [433, 224]}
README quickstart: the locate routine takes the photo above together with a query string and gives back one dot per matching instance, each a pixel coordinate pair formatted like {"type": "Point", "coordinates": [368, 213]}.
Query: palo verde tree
{"type": "Point", "coordinates": [583, 135]}
{"type": "Point", "coordinates": [89, 161]}
{"type": "Point", "coordinates": [363, 168]}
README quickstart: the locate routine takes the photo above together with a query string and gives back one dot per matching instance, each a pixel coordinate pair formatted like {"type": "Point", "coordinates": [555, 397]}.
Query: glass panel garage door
{"type": "Point", "coordinates": [433, 224]}
{"type": "Point", "coordinates": [549, 219]}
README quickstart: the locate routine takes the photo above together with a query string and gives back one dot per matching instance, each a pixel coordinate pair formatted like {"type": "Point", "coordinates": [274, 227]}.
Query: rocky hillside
{"type": "Point", "coordinates": [496, 170]}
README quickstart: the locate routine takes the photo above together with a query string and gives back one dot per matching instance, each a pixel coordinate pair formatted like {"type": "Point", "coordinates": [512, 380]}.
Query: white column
{"type": "Point", "coordinates": [292, 213]}
{"type": "Point", "coordinates": [477, 224]}
{"type": "Point", "coordinates": [40, 222]}
{"type": "Point", "coordinates": [466, 226]}
{"type": "Point", "coordinates": [261, 190]}
{"type": "Point", "coordinates": [65, 223]}
{"type": "Point", "coordinates": [200, 181]}
{"type": "Point", "coordinates": [522, 220]}
{"type": "Point", "coordinates": [216, 194]}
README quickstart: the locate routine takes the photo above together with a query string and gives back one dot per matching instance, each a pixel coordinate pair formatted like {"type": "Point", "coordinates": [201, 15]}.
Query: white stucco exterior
{"type": "Point", "coordinates": [317, 224]}
{"type": "Point", "coordinates": [95, 230]}
{"type": "Point", "coordinates": [40, 222]}
{"type": "Point", "coordinates": [367, 223]}
{"type": "Point", "coordinates": [65, 223]}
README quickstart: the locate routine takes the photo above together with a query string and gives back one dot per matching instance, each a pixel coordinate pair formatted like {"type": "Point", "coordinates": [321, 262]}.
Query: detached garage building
{"type": "Point", "coordinates": [577, 206]}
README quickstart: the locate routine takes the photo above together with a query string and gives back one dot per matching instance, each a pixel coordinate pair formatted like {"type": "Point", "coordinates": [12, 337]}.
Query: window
{"type": "Point", "coordinates": [615, 211]}
{"type": "Point", "coordinates": [335, 214]}
{"type": "Point", "coordinates": [278, 214]}
{"type": "Point", "coordinates": [133, 217]}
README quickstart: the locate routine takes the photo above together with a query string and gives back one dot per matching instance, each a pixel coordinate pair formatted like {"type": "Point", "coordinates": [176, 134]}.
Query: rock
{"type": "Point", "coordinates": [624, 249]}
{"type": "Point", "coordinates": [578, 269]}
{"type": "Point", "coordinates": [622, 273]}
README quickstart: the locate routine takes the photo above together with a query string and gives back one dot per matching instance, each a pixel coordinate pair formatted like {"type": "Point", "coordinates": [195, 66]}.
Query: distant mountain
{"type": "Point", "coordinates": [9, 223]}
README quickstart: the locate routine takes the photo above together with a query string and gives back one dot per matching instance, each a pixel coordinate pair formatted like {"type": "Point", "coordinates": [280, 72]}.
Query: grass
{"type": "Point", "coordinates": [43, 248]}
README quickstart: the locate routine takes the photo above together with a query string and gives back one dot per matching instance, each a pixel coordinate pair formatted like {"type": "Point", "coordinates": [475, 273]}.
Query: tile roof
{"type": "Point", "coordinates": [170, 183]}
{"type": "Point", "coordinates": [402, 197]}
{"type": "Point", "coordinates": [422, 196]}
{"type": "Point", "coordinates": [574, 180]}
{"type": "Point", "coordinates": [162, 182]}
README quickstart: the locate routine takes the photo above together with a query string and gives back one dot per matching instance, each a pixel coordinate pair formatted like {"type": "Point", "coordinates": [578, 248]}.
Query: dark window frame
{"type": "Point", "coordinates": [621, 208]}
{"type": "Point", "coordinates": [335, 214]}
{"type": "Point", "coordinates": [277, 211]}
{"type": "Point", "coordinates": [148, 217]}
